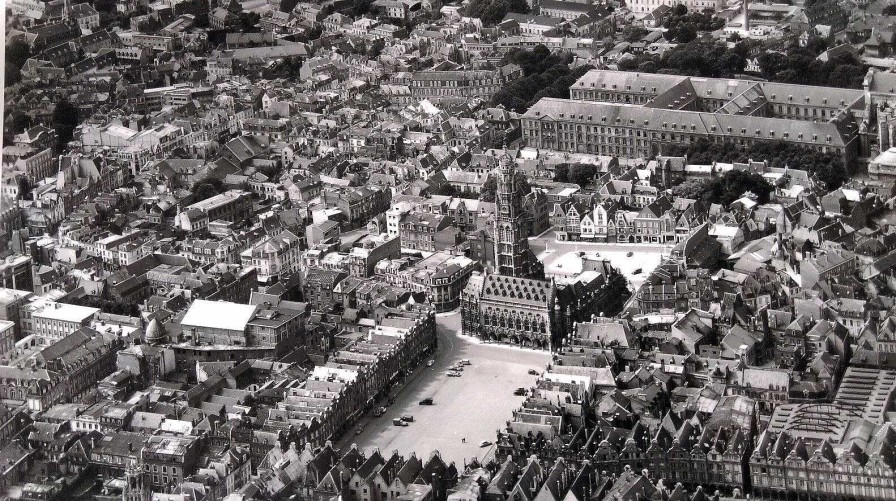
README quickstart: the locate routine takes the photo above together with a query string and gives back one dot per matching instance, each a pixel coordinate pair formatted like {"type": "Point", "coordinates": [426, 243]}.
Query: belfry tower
{"type": "Point", "coordinates": [512, 255]}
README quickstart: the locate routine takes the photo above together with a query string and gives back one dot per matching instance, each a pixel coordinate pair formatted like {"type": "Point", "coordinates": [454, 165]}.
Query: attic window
{"type": "Point", "coordinates": [758, 132]}
{"type": "Point", "coordinates": [592, 84]}
{"type": "Point", "coordinates": [790, 98]}
{"type": "Point", "coordinates": [709, 92]}
{"type": "Point", "coordinates": [603, 86]}
{"type": "Point", "coordinates": [665, 125]}
{"type": "Point", "coordinates": [815, 137]}
{"type": "Point", "coordinates": [800, 136]}
{"type": "Point", "coordinates": [729, 130]}
{"type": "Point", "coordinates": [537, 113]}
{"type": "Point", "coordinates": [743, 131]}
{"type": "Point", "coordinates": [590, 118]}
{"type": "Point", "coordinates": [712, 128]}
{"type": "Point", "coordinates": [561, 115]}
{"type": "Point", "coordinates": [829, 139]}
{"type": "Point", "coordinates": [786, 135]}
{"type": "Point", "coordinates": [773, 96]}
{"type": "Point", "coordinates": [603, 119]}
{"type": "Point", "coordinates": [825, 100]}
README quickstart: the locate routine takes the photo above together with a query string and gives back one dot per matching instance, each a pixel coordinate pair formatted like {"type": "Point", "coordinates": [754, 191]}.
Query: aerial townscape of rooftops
{"type": "Point", "coordinates": [448, 250]}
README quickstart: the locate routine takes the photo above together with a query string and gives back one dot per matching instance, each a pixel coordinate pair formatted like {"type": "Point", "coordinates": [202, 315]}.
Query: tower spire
{"type": "Point", "coordinates": [512, 254]}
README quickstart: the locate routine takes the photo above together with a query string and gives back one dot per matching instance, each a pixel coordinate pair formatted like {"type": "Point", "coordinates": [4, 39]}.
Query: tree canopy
{"type": "Point", "coordinates": [545, 74]}
{"type": "Point", "coordinates": [829, 167]}
{"type": "Point", "coordinates": [734, 184]}
{"type": "Point", "coordinates": [491, 12]}
{"type": "Point", "coordinates": [697, 58]}
{"type": "Point", "coordinates": [65, 120]}
{"type": "Point", "coordinates": [683, 26]}
{"type": "Point", "coordinates": [17, 53]}
{"type": "Point", "coordinates": [207, 188]}
{"type": "Point", "coordinates": [800, 65]}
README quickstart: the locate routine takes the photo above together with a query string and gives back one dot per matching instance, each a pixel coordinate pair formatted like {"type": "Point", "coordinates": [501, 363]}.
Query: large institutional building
{"type": "Point", "coordinates": [639, 115]}
{"type": "Point", "coordinates": [515, 304]}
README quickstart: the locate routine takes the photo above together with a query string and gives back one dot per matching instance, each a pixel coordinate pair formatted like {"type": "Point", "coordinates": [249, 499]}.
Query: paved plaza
{"type": "Point", "coordinates": [645, 257]}
{"type": "Point", "coordinates": [473, 406]}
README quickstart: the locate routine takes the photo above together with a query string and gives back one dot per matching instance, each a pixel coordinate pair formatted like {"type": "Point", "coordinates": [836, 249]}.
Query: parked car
{"type": "Point", "coordinates": [637, 272]}
{"type": "Point", "coordinates": [519, 392]}
{"type": "Point", "coordinates": [533, 372]}
{"type": "Point", "coordinates": [379, 411]}
{"type": "Point", "coordinates": [465, 362]}
{"type": "Point", "coordinates": [630, 254]}
{"type": "Point", "coordinates": [398, 422]}
{"type": "Point", "coordinates": [359, 430]}
{"type": "Point", "coordinates": [426, 401]}
{"type": "Point", "coordinates": [484, 443]}
{"type": "Point", "coordinates": [453, 374]}
{"type": "Point", "coordinates": [390, 401]}
{"type": "Point", "coordinates": [430, 362]}
{"type": "Point", "coordinates": [407, 418]}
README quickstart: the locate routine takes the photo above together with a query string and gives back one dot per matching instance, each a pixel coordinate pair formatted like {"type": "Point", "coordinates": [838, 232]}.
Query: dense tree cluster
{"type": "Point", "coordinates": [633, 33]}
{"type": "Point", "coordinates": [578, 173]}
{"type": "Point", "coordinates": [828, 167]}
{"type": "Point", "coordinates": [683, 26]}
{"type": "Point", "coordinates": [726, 188]}
{"type": "Point", "coordinates": [734, 184]}
{"type": "Point", "coordinates": [107, 306]}
{"type": "Point", "coordinates": [545, 74]}
{"type": "Point", "coordinates": [207, 188]}
{"type": "Point", "coordinates": [491, 12]}
{"type": "Point", "coordinates": [889, 10]}
{"type": "Point", "coordinates": [800, 65]}
{"type": "Point", "coordinates": [17, 53]}
{"type": "Point", "coordinates": [490, 187]}
{"type": "Point", "coordinates": [65, 120]}
{"type": "Point", "coordinates": [697, 58]}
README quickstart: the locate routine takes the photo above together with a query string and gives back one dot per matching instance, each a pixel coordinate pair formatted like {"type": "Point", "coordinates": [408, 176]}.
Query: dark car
{"type": "Point", "coordinates": [379, 411]}
{"type": "Point", "coordinates": [407, 418]}
{"type": "Point", "coordinates": [399, 422]}
{"type": "Point", "coordinates": [426, 401]}
{"type": "Point", "coordinates": [637, 272]}
{"type": "Point", "coordinates": [519, 392]}
{"type": "Point", "coordinates": [533, 372]}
